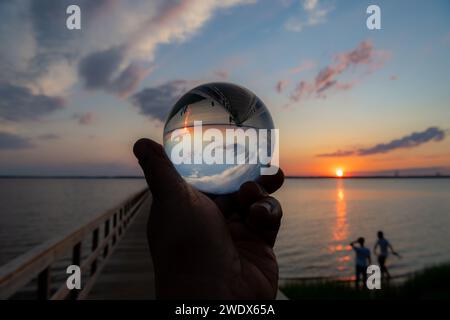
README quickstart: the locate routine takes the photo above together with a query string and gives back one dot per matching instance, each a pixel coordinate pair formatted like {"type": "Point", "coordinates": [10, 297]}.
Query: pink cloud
{"type": "Point", "coordinates": [281, 85]}
{"type": "Point", "coordinates": [328, 78]}
{"type": "Point", "coordinates": [304, 66]}
{"type": "Point", "coordinates": [302, 90]}
{"type": "Point", "coordinates": [411, 140]}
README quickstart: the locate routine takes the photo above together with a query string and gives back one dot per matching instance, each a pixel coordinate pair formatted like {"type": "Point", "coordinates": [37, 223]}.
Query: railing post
{"type": "Point", "coordinates": [114, 228]}
{"type": "Point", "coordinates": [76, 260]}
{"type": "Point", "coordinates": [76, 254]}
{"type": "Point", "coordinates": [94, 247]}
{"type": "Point", "coordinates": [126, 213]}
{"type": "Point", "coordinates": [105, 252]}
{"type": "Point", "coordinates": [44, 284]}
{"type": "Point", "coordinates": [120, 220]}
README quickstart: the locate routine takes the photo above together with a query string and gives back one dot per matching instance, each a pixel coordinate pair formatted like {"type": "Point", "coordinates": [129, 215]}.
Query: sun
{"type": "Point", "coordinates": [339, 173]}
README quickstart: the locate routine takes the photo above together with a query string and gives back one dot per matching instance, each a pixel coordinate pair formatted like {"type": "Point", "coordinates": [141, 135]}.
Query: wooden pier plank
{"type": "Point", "coordinates": [128, 274]}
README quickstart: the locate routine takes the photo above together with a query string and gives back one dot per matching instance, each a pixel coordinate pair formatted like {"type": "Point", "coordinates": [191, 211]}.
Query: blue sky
{"type": "Point", "coordinates": [384, 85]}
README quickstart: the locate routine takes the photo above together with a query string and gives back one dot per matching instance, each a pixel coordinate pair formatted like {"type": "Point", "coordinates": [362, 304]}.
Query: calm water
{"type": "Point", "coordinates": [320, 218]}
{"type": "Point", "coordinates": [35, 210]}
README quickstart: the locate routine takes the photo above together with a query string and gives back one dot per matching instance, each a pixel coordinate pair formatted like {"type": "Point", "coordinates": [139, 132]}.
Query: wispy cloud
{"type": "Point", "coordinates": [99, 71]}
{"type": "Point", "coordinates": [170, 23]}
{"type": "Point", "coordinates": [156, 102]}
{"type": "Point", "coordinates": [19, 103]}
{"type": "Point", "coordinates": [38, 53]}
{"type": "Point", "coordinates": [85, 118]}
{"type": "Point", "coordinates": [281, 85]}
{"type": "Point", "coordinates": [11, 141]}
{"type": "Point", "coordinates": [328, 78]}
{"type": "Point", "coordinates": [314, 14]}
{"type": "Point", "coordinates": [412, 140]}
{"type": "Point", "coordinates": [304, 66]}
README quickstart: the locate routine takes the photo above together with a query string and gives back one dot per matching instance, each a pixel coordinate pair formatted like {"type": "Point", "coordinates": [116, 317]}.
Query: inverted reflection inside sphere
{"type": "Point", "coordinates": [198, 139]}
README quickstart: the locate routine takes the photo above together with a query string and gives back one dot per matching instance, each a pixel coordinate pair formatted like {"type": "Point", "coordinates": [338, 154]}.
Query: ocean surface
{"type": "Point", "coordinates": [321, 217]}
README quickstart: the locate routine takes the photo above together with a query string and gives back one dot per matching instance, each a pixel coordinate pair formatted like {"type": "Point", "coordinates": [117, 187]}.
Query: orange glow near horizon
{"type": "Point", "coordinates": [339, 173]}
{"type": "Point", "coordinates": [295, 163]}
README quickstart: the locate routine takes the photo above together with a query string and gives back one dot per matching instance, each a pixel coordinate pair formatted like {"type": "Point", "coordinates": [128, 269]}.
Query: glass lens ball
{"type": "Point", "coordinates": [221, 107]}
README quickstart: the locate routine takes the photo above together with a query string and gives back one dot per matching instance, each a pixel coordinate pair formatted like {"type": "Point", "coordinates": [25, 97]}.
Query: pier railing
{"type": "Point", "coordinates": [34, 268]}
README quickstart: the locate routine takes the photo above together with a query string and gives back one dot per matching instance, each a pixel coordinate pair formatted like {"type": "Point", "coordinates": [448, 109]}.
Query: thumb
{"type": "Point", "coordinates": [162, 178]}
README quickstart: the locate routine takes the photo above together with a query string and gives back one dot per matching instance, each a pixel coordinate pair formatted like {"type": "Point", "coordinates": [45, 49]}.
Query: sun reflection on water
{"type": "Point", "coordinates": [340, 229]}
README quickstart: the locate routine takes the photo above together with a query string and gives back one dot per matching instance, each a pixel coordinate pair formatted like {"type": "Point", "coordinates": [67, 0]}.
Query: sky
{"type": "Point", "coordinates": [73, 102]}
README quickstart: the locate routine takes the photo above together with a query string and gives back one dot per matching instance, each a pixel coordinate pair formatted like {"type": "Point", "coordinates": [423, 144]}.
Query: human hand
{"type": "Point", "coordinates": [204, 248]}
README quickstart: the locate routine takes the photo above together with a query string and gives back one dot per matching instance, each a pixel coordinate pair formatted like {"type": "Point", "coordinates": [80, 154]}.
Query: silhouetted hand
{"type": "Point", "coordinates": [204, 248]}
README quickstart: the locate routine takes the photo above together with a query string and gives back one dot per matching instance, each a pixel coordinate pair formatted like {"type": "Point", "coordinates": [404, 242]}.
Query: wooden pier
{"type": "Point", "coordinates": [41, 272]}
{"type": "Point", "coordinates": [129, 272]}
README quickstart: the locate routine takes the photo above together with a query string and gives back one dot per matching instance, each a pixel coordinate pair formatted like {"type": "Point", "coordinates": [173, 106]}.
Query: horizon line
{"type": "Point", "coordinates": [288, 177]}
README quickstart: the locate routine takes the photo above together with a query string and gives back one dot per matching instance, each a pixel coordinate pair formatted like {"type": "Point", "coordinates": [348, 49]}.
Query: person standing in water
{"type": "Point", "coordinates": [362, 260]}
{"type": "Point", "coordinates": [384, 245]}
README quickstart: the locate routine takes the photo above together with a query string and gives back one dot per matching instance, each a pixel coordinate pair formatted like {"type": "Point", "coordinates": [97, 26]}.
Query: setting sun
{"type": "Point", "coordinates": [339, 173]}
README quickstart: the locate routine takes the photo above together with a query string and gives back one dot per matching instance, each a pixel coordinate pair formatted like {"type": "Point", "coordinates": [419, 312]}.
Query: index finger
{"type": "Point", "coordinates": [271, 183]}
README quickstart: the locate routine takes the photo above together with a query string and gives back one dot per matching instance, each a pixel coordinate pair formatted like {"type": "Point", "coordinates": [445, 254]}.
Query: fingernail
{"type": "Point", "coordinates": [265, 205]}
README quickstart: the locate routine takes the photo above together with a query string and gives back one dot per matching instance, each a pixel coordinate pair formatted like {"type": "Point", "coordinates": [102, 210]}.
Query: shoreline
{"type": "Point", "coordinates": [320, 279]}
{"type": "Point", "coordinates": [427, 283]}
